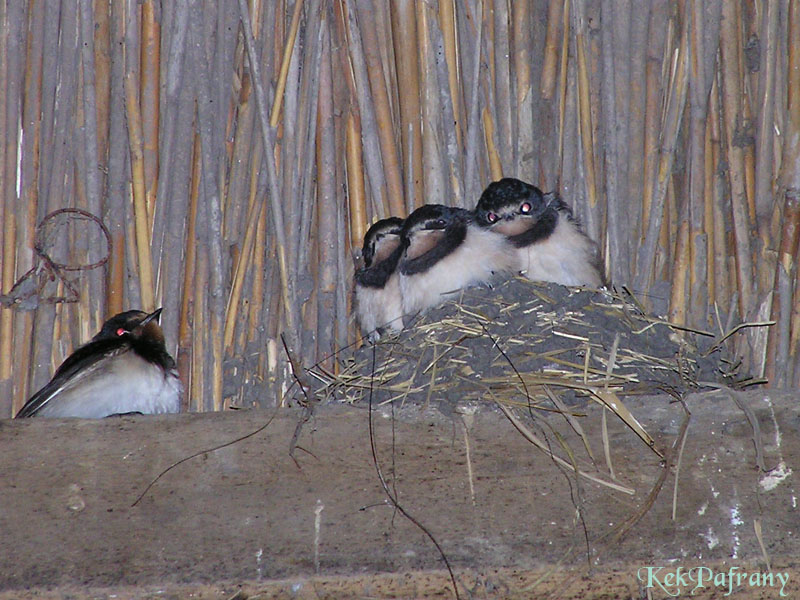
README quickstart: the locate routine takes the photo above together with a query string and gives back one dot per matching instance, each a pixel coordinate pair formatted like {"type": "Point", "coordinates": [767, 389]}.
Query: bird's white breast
{"type": "Point", "coordinates": [481, 255]}
{"type": "Point", "coordinates": [565, 257]}
{"type": "Point", "coordinates": [121, 384]}
{"type": "Point", "coordinates": [379, 307]}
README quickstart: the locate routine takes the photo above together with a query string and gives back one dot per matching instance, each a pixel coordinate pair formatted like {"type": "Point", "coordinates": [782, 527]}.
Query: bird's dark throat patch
{"type": "Point", "coordinates": [431, 247]}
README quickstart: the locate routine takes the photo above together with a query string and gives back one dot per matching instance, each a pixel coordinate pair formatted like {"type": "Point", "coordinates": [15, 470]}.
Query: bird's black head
{"type": "Point", "coordinates": [381, 239]}
{"type": "Point", "coordinates": [134, 324]}
{"type": "Point", "coordinates": [430, 233]}
{"type": "Point", "coordinates": [518, 210]}
{"type": "Point", "coordinates": [507, 199]}
{"type": "Point", "coordinates": [381, 252]}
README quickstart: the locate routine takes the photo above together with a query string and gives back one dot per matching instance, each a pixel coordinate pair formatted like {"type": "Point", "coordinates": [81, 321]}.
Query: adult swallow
{"type": "Point", "coordinates": [445, 251]}
{"type": "Point", "coordinates": [549, 243]}
{"type": "Point", "coordinates": [123, 369]}
{"type": "Point", "coordinates": [378, 304]}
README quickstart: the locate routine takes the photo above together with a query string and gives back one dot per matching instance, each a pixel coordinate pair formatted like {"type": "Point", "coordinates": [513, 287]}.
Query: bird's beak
{"type": "Point", "coordinates": [156, 314]}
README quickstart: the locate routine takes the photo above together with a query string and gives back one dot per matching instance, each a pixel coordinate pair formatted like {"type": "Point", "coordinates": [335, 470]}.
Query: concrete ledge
{"type": "Point", "coordinates": [250, 515]}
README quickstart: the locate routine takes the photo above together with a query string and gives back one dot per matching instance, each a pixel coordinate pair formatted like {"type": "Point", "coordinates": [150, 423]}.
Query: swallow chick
{"type": "Point", "coordinates": [445, 251]}
{"type": "Point", "coordinates": [378, 304]}
{"type": "Point", "coordinates": [123, 369]}
{"type": "Point", "coordinates": [549, 244]}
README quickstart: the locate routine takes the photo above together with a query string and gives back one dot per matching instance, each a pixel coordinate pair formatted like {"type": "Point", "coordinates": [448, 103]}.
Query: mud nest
{"type": "Point", "coordinates": [524, 343]}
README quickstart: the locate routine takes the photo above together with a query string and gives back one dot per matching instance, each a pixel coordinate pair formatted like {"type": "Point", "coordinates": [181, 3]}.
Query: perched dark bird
{"type": "Point", "coordinates": [378, 305]}
{"type": "Point", "coordinates": [548, 242]}
{"type": "Point", "coordinates": [123, 369]}
{"type": "Point", "coordinates": [445, 251]}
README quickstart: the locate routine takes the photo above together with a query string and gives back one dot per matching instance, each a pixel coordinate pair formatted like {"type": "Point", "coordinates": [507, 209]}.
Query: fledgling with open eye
{"type": "Point", "coordinates": [124, 369]}
{"type": "Point", "coordinates": [445, 251]}
{"type": "Point", "coordinates": [548, 242]}
{"type": "Point", "coordinates": [378, 304]}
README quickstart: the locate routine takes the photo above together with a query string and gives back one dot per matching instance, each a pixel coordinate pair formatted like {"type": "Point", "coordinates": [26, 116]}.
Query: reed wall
{"type": "Point", "coordinates": [228, 157]}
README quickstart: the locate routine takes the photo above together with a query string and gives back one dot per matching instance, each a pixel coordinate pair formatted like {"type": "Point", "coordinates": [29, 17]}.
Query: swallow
{"type": "Point", "coordinates": [125, 368]}
{"type": "Point", "coordinates": [548, 242]}
{"type": "Point", "coordinates": [378, 304]}
{"type": "Point", "coordinates": [445, 251]}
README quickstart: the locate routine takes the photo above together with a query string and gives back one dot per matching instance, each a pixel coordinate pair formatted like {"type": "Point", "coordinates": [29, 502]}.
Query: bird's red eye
{"type": "Point", "coordinates": [121, 331]}
{"type": "Point", "coordinates": [491, 217]}
{"type": "Point", "coordinates": [525, 208]}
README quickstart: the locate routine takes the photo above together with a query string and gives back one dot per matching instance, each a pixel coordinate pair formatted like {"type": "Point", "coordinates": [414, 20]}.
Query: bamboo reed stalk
{"type": "Point", "coordinates": [566, 90]}
{"type": "Point", "coordinates": [306, 154]}
{"type": "Point", "coordinates": [622, 17]}
{"type": "Point", "coordinates": [102, 75]}
{"type": "Point", "coordinates": [29, 190]}
{"type": "Point", "coordinates": [449, 124]}
{"type": "Point", "coordinates": [666, 237]}
{"type": "Point", "coordinates": [552, 48]}
{"type": "Point", "coordinates": [200, 399]}
{"type": "Point", "coordinates": [746, 129]}
{"type": "Point", "coordinates": [241, 165]}
{"type": "Point", "coordinates": [658, 48]}
{"type": "Point", "coordinates": [149, 84]}
{"type": "Point", "coordinates": [366, 108]}
{"type": "Point", "coordinates": [287, 55]}
{"type": "Point", "coordinates": [344, 296]}
{"type": "Point", "coordinates": [435, 182]}
{"type": "Point", "coordinates": [763, 196]}
{"type": "Point", "coordinates": [778, 344]}
{"type": "Point", "coordinates": [404, 19]}
{"type": "Point", "coordinates": [523, 83]}
{"type": "Point", "coordinates": [471, 159]}
{"type": "Point", "coordinates": [172, 213]}
{"type": "Point", "coordinates": [704, 40]}
{"type": "Point", "coordinates": [92, 281]}
{"type": "Point", "coordinates": [392, 167]}
{"type": "Point", "coordinates": [502, 83]}
{"type": "Point", "coordinates": [790, 175]}
{"type": "Point", "coordinates": [355, 182]}
{"type": "Point", "coordinates": [709, 156]}
{"type": "Point", "coordinates": [57, 84]}
{"type": "Point", "coordinates": [139, 194]}
{"type": "Point", "coordinates": [210, 212]}
{"type": "Point", "coordinates": [447, 23]}
{"type": "Point", "coordinates": [674, 106]}
{"type": "Point", "coordinates": [585, 108]}
{"type": "Point", "coordinates": [764, 147]}
{"type": "Point", "coordinates": [490, 138]}
{"type": "Point", "coordinates": [172, 126]}
{"type": "Point", "coordinates": [591, 213]}
{"type": "Point", "coordinates": [189, 354]}
{"type": "Point", "coordinates": [275, 199]}
{"type": "Point", "coordinates": [681, 268]}
{"type": "Point", "coordinates": [59, 90]}
{"type": "Point", "coordinates": [722, 277]}
{"type": "Point", "coordinates": [259, 291]}
{"type": "Point", "coordinates": [345, 331]}
{"type": "Point", "coordinates": [243, 265]}
{"type": "Point", "coordinates": [383, 25]}
{"type": "Point", "coordinates": [616, 258]}
{"type": "Point", "coordinates": [326, 207]}
{"type": "Point", "coordinates": [637, 111]}
{"type": "Point", "coordinates": [731, 105]}
{"type": "Point", "coordinates": [80, 325]}
{"type": "Point", "coordinates": [290, 142]}
{"type": "Point", "coordinates": [10, 68]}
{"type": "Point", "coordinates": [118, 166]}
